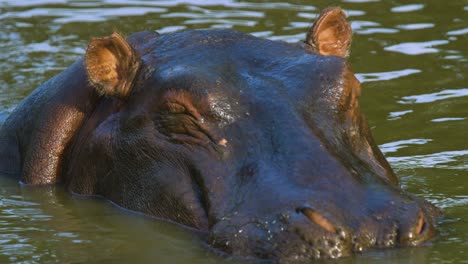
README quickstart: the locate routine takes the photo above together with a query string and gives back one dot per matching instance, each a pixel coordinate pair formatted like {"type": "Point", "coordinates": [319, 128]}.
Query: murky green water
{"type": "Point", "coordinates": [411, 56]}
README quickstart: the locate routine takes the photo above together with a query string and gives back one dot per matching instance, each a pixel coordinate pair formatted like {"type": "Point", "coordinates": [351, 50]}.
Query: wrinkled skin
{"type": "Point", "coordinates": [259, 145]}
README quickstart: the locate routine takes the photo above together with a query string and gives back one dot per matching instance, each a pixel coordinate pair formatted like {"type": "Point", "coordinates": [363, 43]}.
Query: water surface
{"type": "Point", "coordinates": [411, 56]}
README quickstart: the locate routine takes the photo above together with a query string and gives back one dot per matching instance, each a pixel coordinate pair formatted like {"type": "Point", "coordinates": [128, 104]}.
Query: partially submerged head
{"type": "Point", "coordinates": [259, 144]}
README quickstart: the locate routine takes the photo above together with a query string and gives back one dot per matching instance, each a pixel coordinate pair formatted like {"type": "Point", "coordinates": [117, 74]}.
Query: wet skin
{"type": "Point", "coordinates": [260, 145]}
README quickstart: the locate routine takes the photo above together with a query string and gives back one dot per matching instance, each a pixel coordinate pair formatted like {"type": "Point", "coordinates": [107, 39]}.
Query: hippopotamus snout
{"type": "Point", "coordinates": [329, 227]}
{"type": "Point", "coordinates": [400, 223]}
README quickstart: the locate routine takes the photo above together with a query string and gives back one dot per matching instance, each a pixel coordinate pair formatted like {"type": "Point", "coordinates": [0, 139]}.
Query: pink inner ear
{"type": "Point", "coordinates": [327, 42]}
{"type": "Point", "coordinates": [102, 68]}
{"type": "Point", "coordinates": [112, 65]}
{"type": "Point", "coordinates": [331, 34]}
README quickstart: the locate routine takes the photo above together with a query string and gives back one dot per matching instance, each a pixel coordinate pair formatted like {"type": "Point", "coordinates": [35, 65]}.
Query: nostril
{"type": "Point", "coordinates": [318, 219]}
{"type": "Point", "coordinates": [421, 225]}
{"type": "Point", "coordinates": [416, 232]}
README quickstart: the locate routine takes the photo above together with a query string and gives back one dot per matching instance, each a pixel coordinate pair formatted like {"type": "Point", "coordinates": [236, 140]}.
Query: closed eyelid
{"type": "Point", "coordinates": [181, 101]}
{"type": "Point", "coordinates": [200, 105]}
{"type": "Point", "coordinates": [175, 107]}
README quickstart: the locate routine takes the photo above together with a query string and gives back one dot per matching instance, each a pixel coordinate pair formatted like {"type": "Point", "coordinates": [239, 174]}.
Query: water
{"type": "Point", "coordinates": [411, 56]}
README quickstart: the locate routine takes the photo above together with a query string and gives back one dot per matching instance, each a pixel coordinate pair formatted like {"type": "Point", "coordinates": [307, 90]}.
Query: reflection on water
{"type": "Point", "coordinates": [398, 114]}
{"type": "Point", "coordinates": [396, 145]}
{"type": "Point", "coordinates": [47, 225]}
{"type": "Point", "coordinates": [410, 57]}
{"type": "Point", "coordinates": [415, 26]}
{"type": "Point", "coordinates": [446, 160]}
{"type": "Point", "coordinates": [62, 15]}
{"type": "Point", "coordinates": [445, 119]}
{"type": "Point", "coordinates": [385, 76]}
{"type": "Point", "coordinates": [407, 8]}
{"type": "Point", "coordinates": [416, 48]}
{"type": "Point", "coordinates": [463, 31]}
{"type": "Point", "coordinates": [370, 27]}
{"type": "Point", "coordinates": [433, 97]}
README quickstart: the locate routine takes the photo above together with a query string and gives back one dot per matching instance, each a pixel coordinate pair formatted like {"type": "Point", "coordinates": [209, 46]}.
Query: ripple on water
{"type": "Point", "coordinates": [215, 14]}
{"type": "Point", "coordinates": [30, 3]}
{"type": "Point", "coordinates": [407, 8]}
{"type": "Point", "coordinates": [68, 15]}
{"type": "Point", "coordinates": [396, 145]}
{"type": "Point", "coordinates": [441, 160]}
{"type": "Point", "coordinates": [415, 26]}
{"type": "Point", "coordinates": [225, 23]}
{"type": "Point", "coordinates": [360, 1]}
{"type": "Point", "coordinates": [447, 202]}
{"type": "Point", "coordinates": [228, 18]}
{"type": "Point", "coordinates": [445, 119]}
{"type": "Point", "coordinates": [417, 48]}
{"type": "Point", "coordinates": [398, 114]}
{"type": "Point", "coordinates": [433, 97]}
{"type": "Point", "coordinates": [225, 3]}
{"type": "Point", "coordinates": [313, 15]}
{"type": "Point", "coordinates": [385, 76]}
{"type": "Point", "coordinates": [369, 27]}
{"type": "Point", "coordinates": [463, 31]}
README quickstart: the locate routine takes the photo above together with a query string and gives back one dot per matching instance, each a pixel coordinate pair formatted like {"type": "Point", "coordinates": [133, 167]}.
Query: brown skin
{"type": "Point", "coordinates": [259, 145]}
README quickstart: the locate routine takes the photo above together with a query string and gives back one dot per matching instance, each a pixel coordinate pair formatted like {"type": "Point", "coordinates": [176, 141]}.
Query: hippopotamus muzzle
{"type": "Point", "coordinates": [259, 145]}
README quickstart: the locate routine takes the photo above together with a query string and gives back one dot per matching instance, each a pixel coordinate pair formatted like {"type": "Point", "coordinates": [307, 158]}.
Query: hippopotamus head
{"type": "Point", "coordinates": [259, 145]}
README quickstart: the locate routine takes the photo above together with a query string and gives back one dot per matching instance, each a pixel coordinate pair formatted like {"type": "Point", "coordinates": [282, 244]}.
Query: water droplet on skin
{"type": "Point", "coordinates": [342, 234]}
{"type": "Point", "coordinates": [335, 253]}
{"type": "Point", "coordinates": [222, 110]}
{"type": "Point", "coordinates": [303, 249]}
{"type": "Point", "coordinates": [223, 142]}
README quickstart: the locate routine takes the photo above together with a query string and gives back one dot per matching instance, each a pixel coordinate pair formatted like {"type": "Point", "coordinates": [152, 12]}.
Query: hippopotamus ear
{"type": "Point", "coordinates": [331, 33]}
{"type": "Point", "coordinates": [111, 64]}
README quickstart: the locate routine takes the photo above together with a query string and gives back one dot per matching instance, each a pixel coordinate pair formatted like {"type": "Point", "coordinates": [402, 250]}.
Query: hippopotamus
{"type": "Point", "coordinates": [259, 146]}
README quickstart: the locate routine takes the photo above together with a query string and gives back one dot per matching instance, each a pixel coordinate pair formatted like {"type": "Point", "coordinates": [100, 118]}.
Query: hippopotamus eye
{"type": "Point", "coordinates": [175, 108]}
{"type": "Point", "coordinates": [181, 122]}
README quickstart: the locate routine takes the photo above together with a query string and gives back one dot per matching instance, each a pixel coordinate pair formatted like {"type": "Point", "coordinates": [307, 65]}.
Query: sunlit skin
{"type": "Point", "coordinates": [260, 146]}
